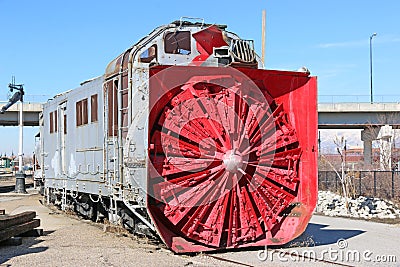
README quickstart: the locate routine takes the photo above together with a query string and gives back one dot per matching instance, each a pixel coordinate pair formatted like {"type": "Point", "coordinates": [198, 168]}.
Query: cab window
{"type": "Point", "coordinates": [177, 43]}
{"type": "Point", "coordinates": [149, 54]}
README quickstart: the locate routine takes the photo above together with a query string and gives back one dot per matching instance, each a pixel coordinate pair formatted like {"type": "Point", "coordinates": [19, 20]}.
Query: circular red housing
{"type": "Point", "coordinates": [225, 161]}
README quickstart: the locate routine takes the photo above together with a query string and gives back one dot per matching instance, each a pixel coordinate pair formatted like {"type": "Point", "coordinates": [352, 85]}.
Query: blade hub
{"type": "Point", "coordinates": [232, 161]}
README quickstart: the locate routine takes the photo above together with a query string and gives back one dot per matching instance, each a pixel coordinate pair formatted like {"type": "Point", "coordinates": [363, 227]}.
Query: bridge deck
{"type": "Point", "coordinates": [31, 114]}
{"type": "Point", "coordinates": [357, 115]}
{"type": "Point", "coordinates": [330, 116]}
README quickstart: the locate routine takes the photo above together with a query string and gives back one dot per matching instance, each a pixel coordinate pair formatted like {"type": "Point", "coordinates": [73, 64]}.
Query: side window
{"type": "Point", "coordinates": [81, 112]}
{"type": "Point", "coordinates": [53, 121]}
{"type": "Point", "coordinates": [93, 108]}
{"type": "Point", "coordinates": [51, 124]}
{"type": "Point", "coordinates": [85, 111]}
{"type": "Point", "coordinates": [65, 123]}
{"type": "Point", "coordinates": [78, 112]}
{"type": "Point", "coordinates": [148, 55]}
{"type": "Point", "coordinates": [177, 43]}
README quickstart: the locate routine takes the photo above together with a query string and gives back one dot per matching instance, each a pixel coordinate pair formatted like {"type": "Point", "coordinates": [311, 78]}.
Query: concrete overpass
{"type": "Point", "coordinates": [330, 116]}
{"type": "Point", "coordinates": [377, 121]}
{"type": "Point", "coordinates": [31, 114]}
{"type": "Point", "coordinates": [358, 115]}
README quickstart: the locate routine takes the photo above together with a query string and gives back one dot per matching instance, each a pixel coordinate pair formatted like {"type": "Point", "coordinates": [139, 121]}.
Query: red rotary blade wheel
{"type": "Point", "coordinates": [227, 164]}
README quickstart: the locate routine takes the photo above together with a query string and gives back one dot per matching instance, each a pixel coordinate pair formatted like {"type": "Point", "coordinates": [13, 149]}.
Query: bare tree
{"type": "Point", "coordinates": [340, 172]}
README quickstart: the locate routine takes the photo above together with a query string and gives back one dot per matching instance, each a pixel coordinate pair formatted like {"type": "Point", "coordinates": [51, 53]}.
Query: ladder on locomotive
{"type": "Point", "coordinates": [111, 145]}
{"type": "Point", "coordinates": [116, 129]}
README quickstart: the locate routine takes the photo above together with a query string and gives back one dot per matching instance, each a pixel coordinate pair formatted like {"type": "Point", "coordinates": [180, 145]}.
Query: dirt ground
{"type": "Point", "coordinates": [70, 241]}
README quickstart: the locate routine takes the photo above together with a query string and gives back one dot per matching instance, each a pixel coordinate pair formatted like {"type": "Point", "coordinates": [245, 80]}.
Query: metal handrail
{"type": "Point", "coordinates": [358, 99]}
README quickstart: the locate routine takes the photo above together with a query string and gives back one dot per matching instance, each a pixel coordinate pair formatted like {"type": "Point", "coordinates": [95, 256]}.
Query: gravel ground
{"type": "Point", "coordinates": [332, 204]}
{"type": "Point", "coordinates": [68, 241]}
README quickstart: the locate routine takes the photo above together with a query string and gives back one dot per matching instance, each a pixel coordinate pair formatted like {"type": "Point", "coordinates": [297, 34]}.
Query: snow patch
{"type": "Point", "coordinates": [332, 204]}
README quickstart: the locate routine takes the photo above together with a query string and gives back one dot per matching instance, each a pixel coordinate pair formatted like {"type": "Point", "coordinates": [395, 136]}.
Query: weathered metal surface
{"type": "Point", "coordinates": [230, 156]}
{"type": "Point", "coordinates": [74, 152]}
{"type": "Point", "coordinates": [192, 139]}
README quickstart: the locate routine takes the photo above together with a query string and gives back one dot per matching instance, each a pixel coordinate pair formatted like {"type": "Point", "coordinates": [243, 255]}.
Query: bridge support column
{"type": "Point", "coordinates": [367, 136]}
{"type": "Point", "coordinates": [367, 153]}
{"type": "Point", "coordinates": [384, 134]}
{"type": "Point", "coordinates": [385, 140]}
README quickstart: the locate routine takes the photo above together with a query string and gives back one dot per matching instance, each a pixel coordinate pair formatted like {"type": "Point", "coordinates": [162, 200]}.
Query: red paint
{"type": "Point", "coordinates": [232, 152]}
{"type": "Point", "coordinates": [206, 40]}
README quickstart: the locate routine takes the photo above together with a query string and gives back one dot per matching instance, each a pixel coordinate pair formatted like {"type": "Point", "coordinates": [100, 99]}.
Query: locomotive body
{"type": "Point", "coordinates": [186, 137]}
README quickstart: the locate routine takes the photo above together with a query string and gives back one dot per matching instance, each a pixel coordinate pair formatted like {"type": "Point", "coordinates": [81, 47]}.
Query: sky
{"type": "Point", "coordinates": [51, 46]}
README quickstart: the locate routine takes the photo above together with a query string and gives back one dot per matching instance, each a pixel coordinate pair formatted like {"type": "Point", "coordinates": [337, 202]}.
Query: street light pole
{"type": "Point", "coordinates": [370, 63]}
{"type": "Point", "coordinates": [21, 138]}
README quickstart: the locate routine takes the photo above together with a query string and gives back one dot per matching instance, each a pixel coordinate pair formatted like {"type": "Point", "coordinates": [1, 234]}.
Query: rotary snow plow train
{"type": "Point", "coordinates": [186, 137]}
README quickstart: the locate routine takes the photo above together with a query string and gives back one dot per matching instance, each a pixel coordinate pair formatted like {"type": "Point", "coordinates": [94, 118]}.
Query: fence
{"type": "Point", "coordinates": [382, 184]}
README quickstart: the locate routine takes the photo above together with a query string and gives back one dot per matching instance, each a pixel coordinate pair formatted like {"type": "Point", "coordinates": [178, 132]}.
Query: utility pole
{"type": "Point", "coordinates": [263, 37]}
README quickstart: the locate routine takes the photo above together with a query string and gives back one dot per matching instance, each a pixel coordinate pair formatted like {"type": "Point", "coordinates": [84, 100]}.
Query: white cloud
{"type": "Point", "coordinates": [343, 44]}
